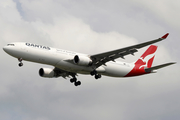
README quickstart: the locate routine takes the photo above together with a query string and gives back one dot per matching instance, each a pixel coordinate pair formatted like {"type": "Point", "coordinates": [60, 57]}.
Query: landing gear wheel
{"type": "Point", "coordinates": [73, 80]}
{"type": "Point", "coordinates": [20, 60]}
{"type": "Point", "coordinates": [77, 83]}
{"type": "Point", "coordinates": [20, 64]}
{"type": "Point", "coordinates": [97, 76]}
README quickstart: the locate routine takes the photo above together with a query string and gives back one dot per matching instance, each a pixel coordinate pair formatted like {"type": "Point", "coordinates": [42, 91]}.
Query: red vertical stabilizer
{"type": "Point", "coordinates": [148, 56]}
{"type": "Point", "coordinates": [145, 61]}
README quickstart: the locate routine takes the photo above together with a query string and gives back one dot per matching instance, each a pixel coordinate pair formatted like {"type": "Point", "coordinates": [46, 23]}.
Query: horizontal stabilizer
{"type": "Point", "coordinates": [158, 67]}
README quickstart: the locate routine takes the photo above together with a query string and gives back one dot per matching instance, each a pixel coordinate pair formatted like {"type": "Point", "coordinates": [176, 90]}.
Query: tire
{"type": "Point", "coordinates": [96, 77]}
{"type": "Point", "coordinates": [99, 75]}
{"type": "Point", "coordinates": [20, 64]}
{"type": "Point", "coordinates": [73, 80]}
{"type": "Point", "coordinates": [77, 83]}
{"type": "Point", "coordinates": [92, 73]}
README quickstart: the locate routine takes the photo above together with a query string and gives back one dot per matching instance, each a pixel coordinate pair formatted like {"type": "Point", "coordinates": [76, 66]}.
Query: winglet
{"type": "Point", "coordinates": [165, 36]}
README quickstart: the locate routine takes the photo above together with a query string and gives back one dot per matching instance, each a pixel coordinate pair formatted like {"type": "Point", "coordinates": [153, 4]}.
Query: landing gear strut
{"type": "Point", "coordinates": [20, 60]}
{"type": "Point", "coordinates": [74, 80]}
{"type": "Point", "coordinates": [96, 75]}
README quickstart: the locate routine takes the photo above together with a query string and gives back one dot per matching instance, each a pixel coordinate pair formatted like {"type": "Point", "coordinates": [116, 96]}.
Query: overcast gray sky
{"type": "Point", "coordinates": [90, 26]}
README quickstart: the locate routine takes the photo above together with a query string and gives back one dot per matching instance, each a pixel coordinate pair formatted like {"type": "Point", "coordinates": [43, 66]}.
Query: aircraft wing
{"type": "Point", "coordinates": [102, 58]}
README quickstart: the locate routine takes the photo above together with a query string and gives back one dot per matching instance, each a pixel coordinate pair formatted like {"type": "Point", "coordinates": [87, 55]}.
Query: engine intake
{"type": "Point", "coordinates": [82, 60]}
{"type": "Point", "coordinates": [46, 72]}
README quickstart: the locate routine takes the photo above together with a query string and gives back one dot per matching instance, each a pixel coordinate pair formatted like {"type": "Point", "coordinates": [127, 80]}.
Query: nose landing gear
{"type": "Point", "coordinates": [20, 60]}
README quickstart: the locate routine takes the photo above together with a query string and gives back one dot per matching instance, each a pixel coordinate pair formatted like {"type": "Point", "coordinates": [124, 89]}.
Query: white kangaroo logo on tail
{"type": "Point", "coordinates": [146, 59]}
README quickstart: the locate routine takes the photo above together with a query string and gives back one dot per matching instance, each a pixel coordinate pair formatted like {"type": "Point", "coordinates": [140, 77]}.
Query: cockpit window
{"type": "Point", "coordinates": [10, 44]}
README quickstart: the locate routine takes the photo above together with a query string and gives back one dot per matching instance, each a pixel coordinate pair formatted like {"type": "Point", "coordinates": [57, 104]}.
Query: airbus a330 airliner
{"type": "Point", "coordinates": [68, 64]}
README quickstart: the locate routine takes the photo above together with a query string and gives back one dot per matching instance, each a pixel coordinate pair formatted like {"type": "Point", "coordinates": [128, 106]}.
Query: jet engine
{"type": "Point", "coordinates": [82, 60]}
{"type": "Point", "coordinates": [46, 72]}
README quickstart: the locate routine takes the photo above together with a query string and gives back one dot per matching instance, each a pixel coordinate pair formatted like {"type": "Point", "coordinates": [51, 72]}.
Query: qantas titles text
{"type": "Point", "coordinates": [38, 46]}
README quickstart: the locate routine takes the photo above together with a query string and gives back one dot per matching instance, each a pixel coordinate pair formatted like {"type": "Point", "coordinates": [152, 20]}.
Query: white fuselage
{"type": "Point", "coordinates": [58, 58]}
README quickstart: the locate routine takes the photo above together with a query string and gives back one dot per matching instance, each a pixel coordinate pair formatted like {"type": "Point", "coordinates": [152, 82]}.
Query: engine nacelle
{"type": "Point", "coordinates": [82, 60]}
{"type": "Point", "coordinates": [46, 72]}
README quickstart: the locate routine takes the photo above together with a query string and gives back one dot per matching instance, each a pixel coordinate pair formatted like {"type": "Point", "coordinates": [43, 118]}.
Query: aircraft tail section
{"type": "Point", "coordinates": [147, 57]}
{"type": "Point", "coordinates": [145, 61]}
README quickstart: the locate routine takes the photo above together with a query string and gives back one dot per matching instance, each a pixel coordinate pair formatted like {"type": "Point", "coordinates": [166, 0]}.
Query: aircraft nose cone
{"type": "Point", "coordinates": [5, 48]}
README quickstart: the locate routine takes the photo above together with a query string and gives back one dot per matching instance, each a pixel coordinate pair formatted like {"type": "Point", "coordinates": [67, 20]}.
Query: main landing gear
{"type": "Point", "coordinates": [95, 74]}
{"type": "Point", "coordinates": [20, 60]}
{"type": "Point", "coordinates": [74, 80]}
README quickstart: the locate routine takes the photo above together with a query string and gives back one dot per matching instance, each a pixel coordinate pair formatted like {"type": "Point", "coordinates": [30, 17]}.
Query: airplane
{"type": "Point", "coordinates": [69, 64]}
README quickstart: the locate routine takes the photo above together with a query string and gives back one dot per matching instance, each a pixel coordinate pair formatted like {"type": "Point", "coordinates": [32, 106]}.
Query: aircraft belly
{"type": "Point", "coordinates": [117, 70]}
{"type": "Point", "coordinates": [67, 66]}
